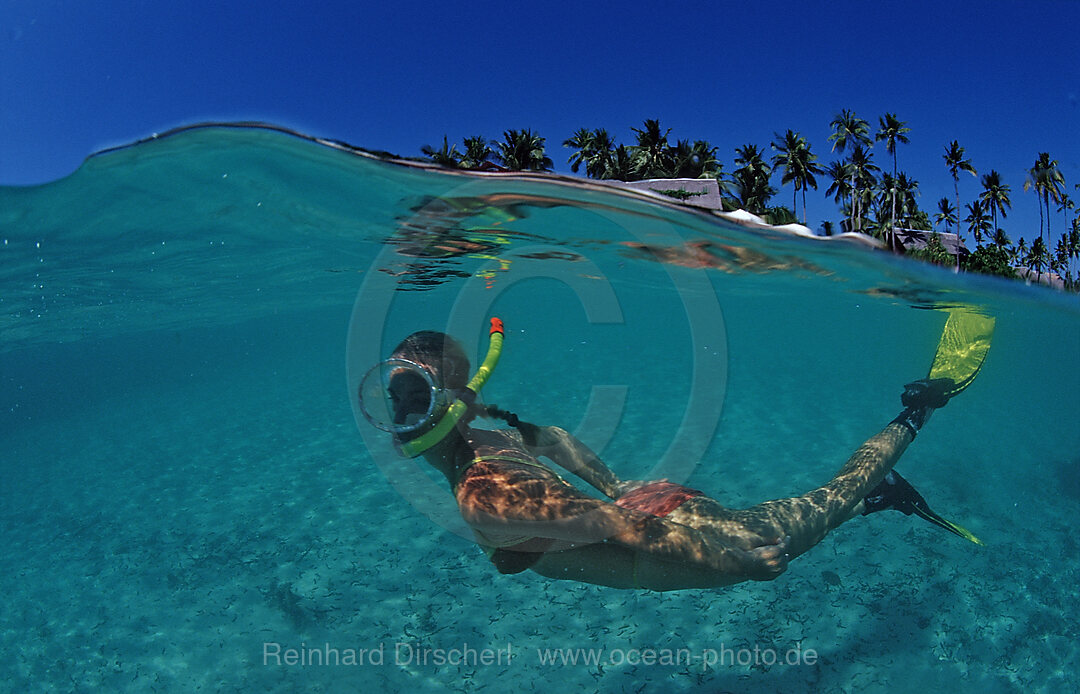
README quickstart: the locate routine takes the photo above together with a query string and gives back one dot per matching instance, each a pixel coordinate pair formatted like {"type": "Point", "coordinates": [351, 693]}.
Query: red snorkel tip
{"type": "Point", "coordinates": [496, 326]}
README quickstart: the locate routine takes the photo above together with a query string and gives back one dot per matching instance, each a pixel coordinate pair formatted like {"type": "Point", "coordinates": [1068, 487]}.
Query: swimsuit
{"type": "Point", "coordinates": [657, 499]}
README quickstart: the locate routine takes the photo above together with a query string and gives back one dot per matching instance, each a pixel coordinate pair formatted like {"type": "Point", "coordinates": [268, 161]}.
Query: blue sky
{"type": "Point", "coordinates": [1001, 77]}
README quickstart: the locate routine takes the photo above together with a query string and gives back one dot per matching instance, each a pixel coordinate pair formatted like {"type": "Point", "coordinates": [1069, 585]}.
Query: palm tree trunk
{"type": "Point", "coordinates": [892, 221]}
{"type": "Point", "coordinates": [995, 217]}
{"type": "Point", "coordinates": [851, 227]}
{"type": "Point", "coordinates": [956, 188]}
{"type": "Point", "coordinates": [1046, 199]}
{"type": "Point", "coordinates": [1040, 219]}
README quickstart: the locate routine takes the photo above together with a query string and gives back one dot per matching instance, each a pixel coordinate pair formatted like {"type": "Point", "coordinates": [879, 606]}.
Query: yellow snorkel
{"type": "Point", "coordinates": [465, 398]}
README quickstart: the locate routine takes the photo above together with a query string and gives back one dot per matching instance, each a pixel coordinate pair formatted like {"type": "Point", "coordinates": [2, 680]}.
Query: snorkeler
{"type": "Point", "coordinates": [657, 535]}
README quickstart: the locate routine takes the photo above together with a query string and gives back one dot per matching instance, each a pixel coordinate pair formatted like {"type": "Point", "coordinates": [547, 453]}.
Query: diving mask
{"type": "Point", "coordinates": [403, 398]}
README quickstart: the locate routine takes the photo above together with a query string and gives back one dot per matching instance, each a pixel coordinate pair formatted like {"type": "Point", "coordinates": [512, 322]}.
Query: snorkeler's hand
{"type": "Point", "coordinates": [766, 561]}
{"type": "Point", "coordinates": [927, 392]}
{"type": "Point", "coordinates": [530, 433]}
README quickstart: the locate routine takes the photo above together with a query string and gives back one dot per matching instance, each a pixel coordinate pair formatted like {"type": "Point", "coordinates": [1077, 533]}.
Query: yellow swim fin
{"type": "Point", "coordinates": [961, 352]}
{"type": "Point", "coordinates": [964, 344]}
{"type": "Point", "coordinates": [925, 512]}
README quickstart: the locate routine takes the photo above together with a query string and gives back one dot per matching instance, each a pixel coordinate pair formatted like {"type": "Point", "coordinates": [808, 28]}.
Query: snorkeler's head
{"type": "Point", "coordinates": [423, 390]}
{"type": "Point", "coordinates": [408, 394]}
{"type": "Point", "coordinates": [440, 354]}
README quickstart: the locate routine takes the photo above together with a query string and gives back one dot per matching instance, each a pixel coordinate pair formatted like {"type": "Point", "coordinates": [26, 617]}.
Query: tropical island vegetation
{"type": "Point", "coordinates": [870, 200]}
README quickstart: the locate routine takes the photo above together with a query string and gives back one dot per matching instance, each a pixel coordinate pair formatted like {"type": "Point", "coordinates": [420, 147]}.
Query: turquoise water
{"type": "Point", "coordinates": [186, 488]}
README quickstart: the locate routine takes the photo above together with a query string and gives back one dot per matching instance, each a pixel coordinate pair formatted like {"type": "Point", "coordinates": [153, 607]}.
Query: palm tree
{"type": "Point", "coordinates": [892, 130]}
{"type": "Point", "coordinates": [1074, 233]}
{"type": "Point", "coordinates": [1034, 180]}
{"type": "Point", "coordinates": [977, 221]}
{"type": "Point", "coordinates": [896, 203]}
{"type": "Point", "coordinates": [522, 150]}
{"type": "Point", "coordinates": [1037, 256]}
{"type": "Point", "coordinates": [1074, 239]}
{"type": "Point", "coordinates": [946, 214]}
{"type": "Point", "coordinates": [651, 153]}
{"type": "Point", "coordinates": [594, 151]}
{"type": "Point", "coordinates": [693, 161]}
{"type": "Point", "coordinates": [907, 189]}
{"type": "Point", "coordinates": [603, 147]}
{"type": "Point", "coordinates": [1019, 252]}
{"type": "Point", "coordinates": [1059, 261]}
{"type": "Point", "coordinates": [1048, 183]}
{"type": "Point", "coordinates": [793, 153]}
{"type": "Point", "coordinates": [621, 165]}
{"type": "Point", "coordinates": [1001, 239]}
{"type": "Point", "coordinates": [447, 155]}
{"type": "Point", "coordinates": [995, 195]}
{"type": "Point", "coordinates": [1066, 205]}
{"type": "Point", "coordinates": [919, 219]}
{"type": "Point", "coordinates": [582, 142]}
{"type": "Point", "coordinates": [477, 152]}
{"type": "Point", "coordinates": [751, 180]}
{"type": "Point", "coordinates": [864, 181]}
{"type": "Point", "coordinates": [840, 183]}
{"type": "Point", "coordinates": [954, 160]}
{"type": "Point", "coordinates": [703, 157]}
{"type": "Point", "coordinates": [849, 129]}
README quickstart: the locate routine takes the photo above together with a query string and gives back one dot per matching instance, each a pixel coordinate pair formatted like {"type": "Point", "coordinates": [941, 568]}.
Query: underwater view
{"type": "Point", "coordinates": [192, 498]}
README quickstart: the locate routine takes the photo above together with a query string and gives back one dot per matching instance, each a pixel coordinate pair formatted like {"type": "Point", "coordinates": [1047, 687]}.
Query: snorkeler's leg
{"type": "Point", "coordinates": [807, 518]}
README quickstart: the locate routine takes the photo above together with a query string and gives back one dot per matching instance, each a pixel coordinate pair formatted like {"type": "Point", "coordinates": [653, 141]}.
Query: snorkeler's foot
{"type": "Point", "coordinates": [896, 493]}
{"type": "Point", "coordinates": [766, 562]}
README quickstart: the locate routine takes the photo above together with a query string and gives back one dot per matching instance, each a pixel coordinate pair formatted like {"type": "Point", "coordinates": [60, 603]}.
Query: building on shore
{"type": "Point", "coordinates": [918, 239]}
{"type": "Point", "coordinates": [696, 192]}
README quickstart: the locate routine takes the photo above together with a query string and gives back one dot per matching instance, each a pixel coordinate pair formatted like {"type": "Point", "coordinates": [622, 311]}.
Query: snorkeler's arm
{"type": "Point", "coordinates": [569, 453]}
